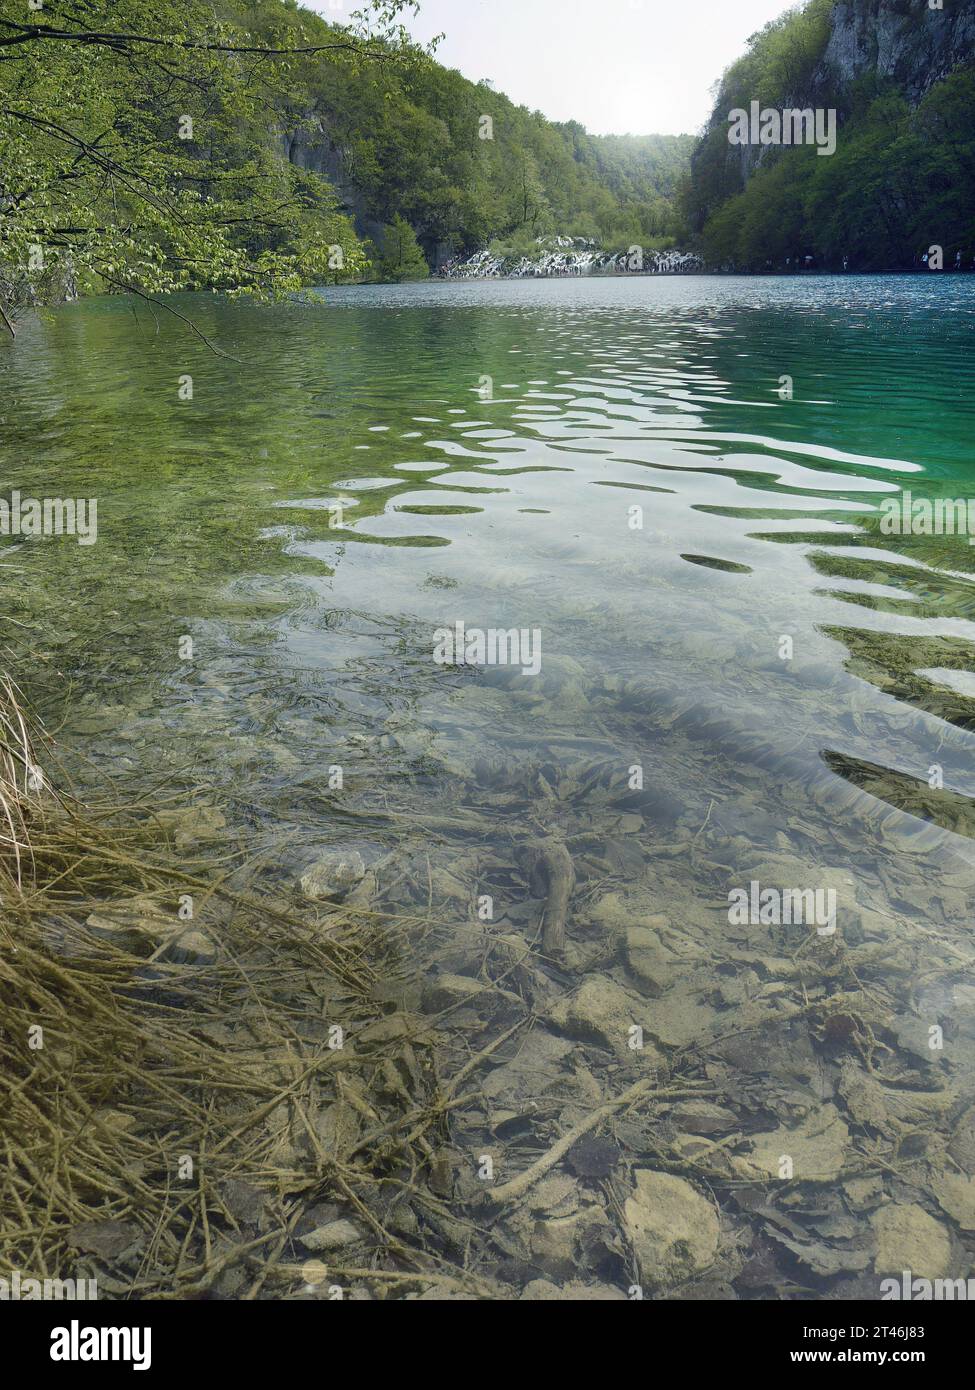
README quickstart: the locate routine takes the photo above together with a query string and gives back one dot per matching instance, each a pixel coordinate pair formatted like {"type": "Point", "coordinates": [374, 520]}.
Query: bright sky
{"type": "Point", "coordinates": [619, 66]}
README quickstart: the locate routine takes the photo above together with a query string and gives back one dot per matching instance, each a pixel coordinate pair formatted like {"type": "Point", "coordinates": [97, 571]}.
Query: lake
{"type": "Point", "coordinates": [736, 688]}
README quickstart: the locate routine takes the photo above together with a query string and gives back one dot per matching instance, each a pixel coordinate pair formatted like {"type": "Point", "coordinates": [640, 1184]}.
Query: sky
{"type": "Point", "coordinates": [637, 67]}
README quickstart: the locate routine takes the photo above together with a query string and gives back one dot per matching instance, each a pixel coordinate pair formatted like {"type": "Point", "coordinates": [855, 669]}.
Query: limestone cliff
{"type": "Point", "coordinates": [828, 54]}
{"type": "Point", "coordinates": [901, 40]}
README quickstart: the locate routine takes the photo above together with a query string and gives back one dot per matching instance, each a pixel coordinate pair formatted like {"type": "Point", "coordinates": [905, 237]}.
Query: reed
{"type": "Point", "coordinates": [141, 1093]}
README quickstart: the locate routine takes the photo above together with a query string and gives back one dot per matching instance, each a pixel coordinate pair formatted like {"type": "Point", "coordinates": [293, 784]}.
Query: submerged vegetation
{"type": "Point", "coordinates": [478, 1021]}
{"type": "Point", "coordinates": [165, 1089]}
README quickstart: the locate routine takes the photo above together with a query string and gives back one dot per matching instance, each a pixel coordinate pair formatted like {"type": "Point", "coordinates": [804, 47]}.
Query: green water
{"type": "Point", "coordinates": [489, 442]}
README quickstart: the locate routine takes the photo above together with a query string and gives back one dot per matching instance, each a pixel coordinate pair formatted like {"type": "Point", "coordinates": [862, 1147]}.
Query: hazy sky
{"type": "Point", "coordinates": [618, 66]}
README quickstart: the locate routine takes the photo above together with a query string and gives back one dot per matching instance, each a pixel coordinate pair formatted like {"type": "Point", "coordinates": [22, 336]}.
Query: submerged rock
{"type": "Point", "coordinates": [673, 1229]}
{"type": "Point", "coordinates": [192, 823]}
{"type": "Point", "coordinates": [600, 1011]}
{"type": "Point", "coordinates": [956, 1196]}
{"type": "Point", "coordinates": [646, 961]}
{"type": "Point", "coordinates": [908, 1238]}
{"type": "Point", "coordinates": [334, 1236]}
{"type": "Point", "coordinates": [448, 990]}
{"type": "Point", "coordinates": [191, 948]}
{"type": "Point", "coordinates": [813, 1151]}
{"type": "Point", "coordinates": [544, 1291]}
{"type": "Point", "coordinates": [137, 925]}
{"type": "Point", "coordinates": [701, 1117]}
{"type": "Point", "coordinates": [555, 1239]}
{"type": "Point", "coordinates": [962, 1145]}
{"type": "Point", "coordinates": [333, 874]}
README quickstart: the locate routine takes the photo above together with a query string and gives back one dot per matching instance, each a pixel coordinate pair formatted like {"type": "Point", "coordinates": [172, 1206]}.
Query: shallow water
{"type": "Point", "coordinates": [617, 464]}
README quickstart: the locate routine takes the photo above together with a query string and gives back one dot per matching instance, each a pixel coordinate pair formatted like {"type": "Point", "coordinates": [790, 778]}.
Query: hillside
{"type": "Point", "coordinates": [901, 78]}
{"type": "Point", "coordinates": [461, 163]}
{"type": "Point", "coordinates": [151, 146]}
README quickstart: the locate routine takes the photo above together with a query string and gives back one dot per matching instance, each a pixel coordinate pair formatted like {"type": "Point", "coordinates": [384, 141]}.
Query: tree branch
{"type": "Point", "coordinates": [32, 33]}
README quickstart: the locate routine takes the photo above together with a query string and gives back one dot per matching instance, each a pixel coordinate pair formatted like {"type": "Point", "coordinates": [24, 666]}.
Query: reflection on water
{"type": "Point", "coordinates": [743, 680]}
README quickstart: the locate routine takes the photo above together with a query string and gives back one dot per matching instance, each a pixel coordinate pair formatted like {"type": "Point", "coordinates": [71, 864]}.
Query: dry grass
{"type": "Point", "coordinates": [164, 1124]}
{"type": "Point", "coordinates": [16, 771]}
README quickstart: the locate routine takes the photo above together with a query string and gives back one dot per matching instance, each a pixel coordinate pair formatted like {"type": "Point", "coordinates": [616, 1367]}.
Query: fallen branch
{"type": "Point", "coordinates": [551, 872]}
{"type": "Point", "coordinates": [517, 1187]}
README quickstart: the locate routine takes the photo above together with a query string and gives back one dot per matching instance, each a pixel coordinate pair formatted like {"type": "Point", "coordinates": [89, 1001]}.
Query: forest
{"type": "Point", "coordinates": [901, 181]}
{"type": "Point", "coordinates": [249, 147]}
{"type": "Point", "coordinates": [255, 149]}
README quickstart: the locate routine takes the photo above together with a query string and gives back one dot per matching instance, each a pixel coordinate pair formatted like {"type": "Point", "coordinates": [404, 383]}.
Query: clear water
{"type": "Point", "coordinates": [489, 442]}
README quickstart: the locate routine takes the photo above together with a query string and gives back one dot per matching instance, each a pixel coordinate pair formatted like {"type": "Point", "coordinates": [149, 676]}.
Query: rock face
{"type": "Point", "coordinates": [672, 1228]}
{"type": "Point", "coordinates": [913, 45]}
{"type": "Point", "coordinates": [905, 43]}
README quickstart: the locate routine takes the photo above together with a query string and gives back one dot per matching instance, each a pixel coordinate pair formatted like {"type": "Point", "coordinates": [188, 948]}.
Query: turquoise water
{"type": "Point", "coordinates": [789, 682]}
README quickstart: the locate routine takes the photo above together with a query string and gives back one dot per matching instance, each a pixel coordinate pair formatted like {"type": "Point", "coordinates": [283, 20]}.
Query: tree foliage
{"type": "Point", "coordinates": [144, 145]}
{"type": "Point", "coordinates": [400, 256]}
{"type": "Point", "coordinates": [902, 178]}
{"type": "Point", "coordinates": [464, 165]}
{"type": "Point", "coordinates": [137, 149]}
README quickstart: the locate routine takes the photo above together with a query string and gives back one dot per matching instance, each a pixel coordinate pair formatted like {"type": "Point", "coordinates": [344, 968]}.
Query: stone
{"type": "Point", "coordinates": [337, 1127]}
{"type": "Point", "coordinates": [555, 1192]}
{"type": "Point", "coordinates": [192, 823]}
{"type": "Point", "coordinates": [908, 1238]}
{"type": "Point", "coordinates": [102, 719]}
{"type": "Point", "coordinates": [601, 1012]}
{"type": "Point", "coordinates": [335, 1236]}
{"type": "Point", "coordinates": [913, 1036]}
{"type": "Point", "coordinates": [399, 1026]}
{"type": "Point", "coordinates": [674, 1231]}
{"type": "Point", "coordinates": [646, 961]}
{"type": "Point", "coordinates": [554, 1240]}
{"type": "Point", "coordinates": [191, 948]}
{"type": "Point", "coordinates": [137, 925]}
{"type": "Point", "coordinates": [817, 1148]}
{"type": "Point", "coordinates": [109, 1240]}
{"type": "Point", "coordinates": [956, 1196]}
{"type": "Point", "coordinates": [701, 1117]}
{"type": "Point", "coordinates": [333, 874]}
{"type": "Point", "coordinates": [544, 1291]}
{"type": "Point", "coordinates": [243, 1201]}
{"type": "Point", "coordinates": [864, 1193]}
{"type": "Point", "coordinates": [541, 1291]}
{"type": "Point", "coordinates": [447, 991]}
{"type": "Point", "coordinates": [962, 1145]}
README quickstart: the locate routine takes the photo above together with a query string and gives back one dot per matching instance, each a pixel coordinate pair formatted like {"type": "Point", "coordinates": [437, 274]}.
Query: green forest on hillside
{"type": "Point", "coordinates": [250, 147]}
{"type": "Point", "coordinates": [413, 141]}
{"type": "Point", "coordinates": [144, 148]}
{"type": "Point", "coordinates": [901, 180]}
